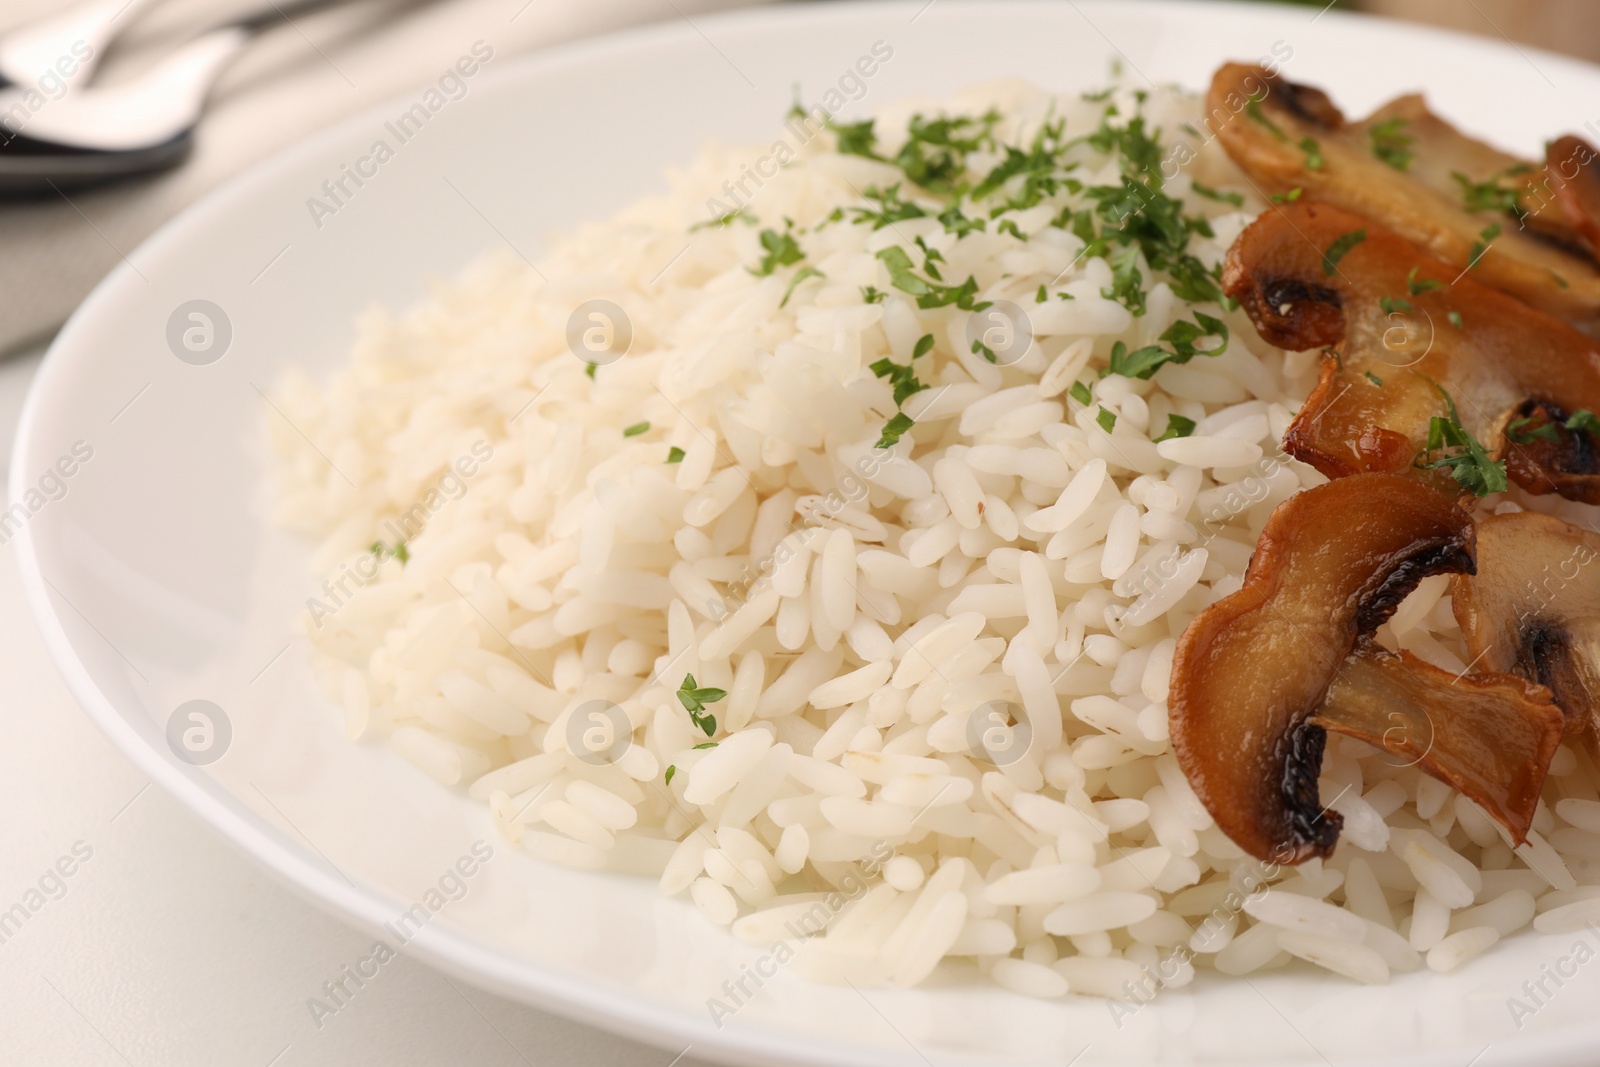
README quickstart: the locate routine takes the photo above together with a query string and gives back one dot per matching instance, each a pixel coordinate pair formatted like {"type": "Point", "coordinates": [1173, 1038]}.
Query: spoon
{"type": "Point", "coordinates": [140, 126]}
{"type": "Point", "coordinates": [53, 54]}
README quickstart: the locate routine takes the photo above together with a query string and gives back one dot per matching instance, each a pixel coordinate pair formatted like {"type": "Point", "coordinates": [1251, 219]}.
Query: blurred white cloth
{"type": "Point", "coordinates": [296, 78]}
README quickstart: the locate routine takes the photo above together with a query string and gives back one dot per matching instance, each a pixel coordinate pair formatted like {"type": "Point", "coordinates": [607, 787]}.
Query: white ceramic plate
{"type": "Point", "coordinates": [157, 581]}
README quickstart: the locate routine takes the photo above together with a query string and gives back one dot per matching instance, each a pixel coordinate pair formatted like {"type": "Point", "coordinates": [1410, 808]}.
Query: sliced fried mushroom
{"type": "Point", "coordinates": [1571, 180]}
{"type": "Point", "coordinates": [1533, 609]}
{"type": "Point", "coordinates": [1253, 674]}
{"type": "Point", "coordinates": [1490, 736]}
{"type": "Point", "coordinates": [1404, 329]}
{"type": "Point", "coordinates": [1546, 456]}
{"type": "Point", "coordinates": [1399, 168]}
{"type": "Point", "coordinates": [1491, 185]}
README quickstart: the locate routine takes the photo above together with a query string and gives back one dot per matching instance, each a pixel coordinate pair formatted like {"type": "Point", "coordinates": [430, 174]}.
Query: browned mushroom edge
{"type": "Point", "coordinates": [1571, 181]}
{"type": "Point", "coordinates": [1399, 168]}
{"type": "Point", "coordinates": [1404, 331]}
{"type": "Point", "coordinates": [1259, 677]}
{"type": "Point", "coordinates": [1533, 609]}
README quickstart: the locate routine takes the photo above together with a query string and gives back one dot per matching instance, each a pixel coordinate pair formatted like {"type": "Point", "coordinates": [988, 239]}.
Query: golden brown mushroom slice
{"type": "Point", "coordinates": [1571, 179]}
{"type": "Point", "coordinates": [1490, 736]}
{"type": "Point", "coordinates": [1254, 673]}
{"type": "Point", "coordinates": [1398, 168]}
{"type": "Point", "coordinates": [1533, 609]}
{"type": "Point", "coordinates": [1493, 186]}
{"type": "Point", "coordinates": [1406, 330]}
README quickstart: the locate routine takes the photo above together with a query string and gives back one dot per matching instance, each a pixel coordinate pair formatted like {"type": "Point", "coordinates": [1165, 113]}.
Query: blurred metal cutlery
{"type": "Point", "coordinates": [67, 47]}
{"type": "Point", "coordinates": [92, 135]}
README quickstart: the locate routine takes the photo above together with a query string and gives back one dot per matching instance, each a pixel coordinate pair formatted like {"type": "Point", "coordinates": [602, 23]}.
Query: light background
{"type": "Point", "coordinates": [1570, 26]}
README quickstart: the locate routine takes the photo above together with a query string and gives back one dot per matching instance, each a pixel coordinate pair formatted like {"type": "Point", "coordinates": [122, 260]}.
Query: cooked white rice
{"type": "Point", "coordinates": [866, 609]}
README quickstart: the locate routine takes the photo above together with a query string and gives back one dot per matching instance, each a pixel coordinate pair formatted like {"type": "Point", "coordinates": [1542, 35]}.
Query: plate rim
{"type": "Point", "coordinates": [540, 985]}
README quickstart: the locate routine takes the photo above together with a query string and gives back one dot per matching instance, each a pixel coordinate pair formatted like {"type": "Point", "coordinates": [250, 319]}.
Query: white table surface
{"type": "Point", "coordinates": [168, 947]}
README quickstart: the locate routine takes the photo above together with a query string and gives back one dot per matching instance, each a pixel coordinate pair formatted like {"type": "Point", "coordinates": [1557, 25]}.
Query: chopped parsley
{"type": "Point", "coordinates": [1374, 379]}
{"type": "Point", "coordinates": [1288, 198]}
{"type": "Point", "coordinates": [1127, 283]}
{"type": "Point", "coordinates": [1080, 224]}
{"type": "Point", "coordinates": [1253, 109]}
{"type": "Point", "coordinates": [1142, 233]}
{"type": "Point", "coordinates": [856, 138]}
{"type": "Point", "coordinates": [1182, 336]}
{"type": "Point", "coordinates": [1460, 453]}
{"type": "Point", "coordinates": [1313, 151]}
{"type": "Point", "coordinates": [1236, 199]}
{"type": "Point", "coordinates": [894, 429]}
{"type": "Point", "coordinates": [706, 744]}
{"type": "Point", "coordinates": [724, 220]}
{"type": "Point", "coordinates": [1139, 363]}
{"type": "Point", "coordinates": [694, 699]}
{"type": "Point", "coordinates": [927, 293]}
{"type": "Point", "coordinates": [799, 276]}
{"type": "Point", "coordinates": [1177, 426]}
{"type": "Point", "coordinates": [636, 429]}
{"type": "Point", "coordinates": [934, 155]}
{"type": "Point", "coordinates": [1339, 249]}
{"type": "Point", "coordinates": [903, 379]}
{"type": "Point", "coordinates": [1040, 169]}
{"type": "Point", "coordinates": [905, 383]}
{"type": "Point", "coordinates": [1392, 145]}
{"type": "Point", "coordinates": [1138, 214]}
{"type": "Point", "coordinates": [1107, 419]}
{"type": "Point", "coordinates": [781, 250]}
{"type": "Point", "coordinates": [1137, 147]}
{"type": "Point", "coordinates": [956, 222]}
{"type": "Point", "coordinates": [675, 454]}
{"type": "Point", "coordinates": [891, 208]}
{"type": "Point", "coordinates": [1488, 195]}
{"type": "Point", "coordinates": [930, 257]}
{"type": "Point", "coordinates": [1394, 305]}
{"type": "Point", "coordinates": [399, 552]}
{"type": "Point", "coordinates": [1523, 431]}
{"type": "Point", "coordinates": [1419, 286]}
{"type": "Point", "coordinates": [1480, 247]}
{"type": "Point", "coordinates": [589, 369]}
{"type": "Point", "coordinates": [672, 769]}
{"type": "Point", "coordinates": [1308, 145]}
{"type": "Point", "coordinates": [1579, 420]}
{"type": "Point", "coordinates": [1455, 319]}
{"type": "Point", "coordinates": [1080, 393]}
